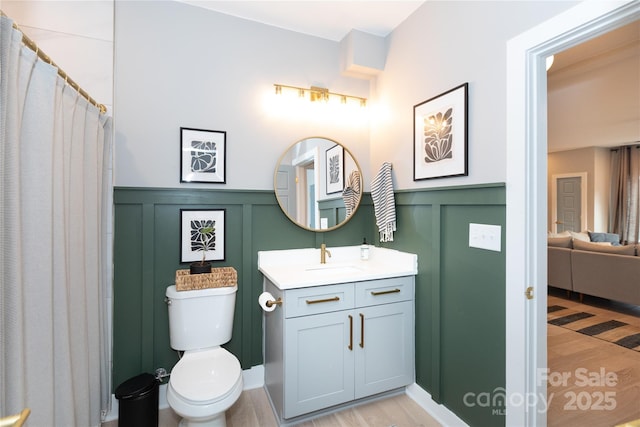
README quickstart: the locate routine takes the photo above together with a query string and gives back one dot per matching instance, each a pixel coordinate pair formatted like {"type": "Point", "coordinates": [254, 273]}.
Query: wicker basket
{"type": "Point", "coordinates": [218, 278]}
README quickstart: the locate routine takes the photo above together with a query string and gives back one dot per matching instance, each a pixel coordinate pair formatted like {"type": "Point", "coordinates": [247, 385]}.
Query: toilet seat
{"type": "Point", "coordinates": [205, 376]}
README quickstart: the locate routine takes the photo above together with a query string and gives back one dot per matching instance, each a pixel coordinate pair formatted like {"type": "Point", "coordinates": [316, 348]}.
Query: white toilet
{"type": "Point", "coordinates": [207, 380]}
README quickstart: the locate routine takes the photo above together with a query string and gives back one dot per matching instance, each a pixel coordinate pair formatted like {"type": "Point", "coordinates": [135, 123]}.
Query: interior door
{"type": "Point", "coordinates": [286, 188]}
{"type": "Point", "coordinates": [569, 191]}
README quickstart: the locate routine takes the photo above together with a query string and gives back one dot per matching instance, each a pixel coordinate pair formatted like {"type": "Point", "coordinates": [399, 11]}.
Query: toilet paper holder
{"type": "Point", "coordinates": [271, 303]}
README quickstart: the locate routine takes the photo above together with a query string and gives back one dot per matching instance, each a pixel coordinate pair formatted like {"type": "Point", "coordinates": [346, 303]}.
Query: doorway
{"type": "Point", "coordinates": [526, 195]}
{"type": "Point", "coordinates": [306, 178]}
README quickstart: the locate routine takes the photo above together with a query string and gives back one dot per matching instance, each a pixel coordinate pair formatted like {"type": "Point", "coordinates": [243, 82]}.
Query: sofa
{"type": "Point", "coordinates": [599, 269]}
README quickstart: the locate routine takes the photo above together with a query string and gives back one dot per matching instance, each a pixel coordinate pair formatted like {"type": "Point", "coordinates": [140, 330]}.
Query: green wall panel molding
{"type": "Point", "coordinates": [460, 305]}
{"type": "Point", "coordinates": [128, 298]}
{"type": "Point", "coordinates": [472, 324]}
{"type": "Point", "coordinates": [460, 326]}
{"type": "Point", "coordinates": [137, 195]}
{"type": "Point", "coordinates": [487, 194]}
{"type": "Point", "coordinates": [147, 254]}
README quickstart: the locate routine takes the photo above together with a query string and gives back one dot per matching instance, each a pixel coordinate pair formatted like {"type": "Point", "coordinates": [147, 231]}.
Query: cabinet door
{"type": "Point", "coordinates": [384, 354]}
{"type": "Point", "coordinates": [318, 362]}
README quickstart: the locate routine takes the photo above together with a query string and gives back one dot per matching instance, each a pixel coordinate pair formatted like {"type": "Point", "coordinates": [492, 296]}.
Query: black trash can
{"type": "Point", "coordinates": [138, 402]}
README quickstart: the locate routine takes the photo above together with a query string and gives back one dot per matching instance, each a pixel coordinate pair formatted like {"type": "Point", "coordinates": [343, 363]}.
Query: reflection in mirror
{"type": "Point", "coordinates": [318, 184]}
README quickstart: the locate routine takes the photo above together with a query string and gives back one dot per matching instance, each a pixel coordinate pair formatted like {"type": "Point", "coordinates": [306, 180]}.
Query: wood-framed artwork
{"type": "Point", "coordinates": [202, 230]}
{"type": "Point", "coordinates": [335, 169]}
{"type": "Point", "coordinates": [440, 129]}
{"type": "Point", "coordinates": [203, 155]}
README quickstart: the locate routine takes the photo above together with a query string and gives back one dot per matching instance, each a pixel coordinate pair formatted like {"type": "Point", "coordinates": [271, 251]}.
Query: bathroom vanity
{"type": "Point", "coordinates": [340, 331]}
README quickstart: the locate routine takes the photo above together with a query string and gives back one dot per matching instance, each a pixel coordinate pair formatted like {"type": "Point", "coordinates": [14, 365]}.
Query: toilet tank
{"type": "Point", "coordinates": [200, 318]}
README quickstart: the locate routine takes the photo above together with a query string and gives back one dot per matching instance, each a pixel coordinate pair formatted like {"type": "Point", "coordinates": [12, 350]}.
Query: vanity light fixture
{"type": "Point", "coordinates": [320, 94]}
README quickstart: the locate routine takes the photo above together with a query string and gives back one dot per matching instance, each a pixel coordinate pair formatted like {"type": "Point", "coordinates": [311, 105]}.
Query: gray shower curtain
{"type": "Point", "coordinates": [55, 189]}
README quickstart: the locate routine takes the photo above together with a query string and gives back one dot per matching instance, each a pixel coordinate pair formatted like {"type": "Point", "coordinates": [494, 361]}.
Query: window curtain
{"type": "Point", "coordinates": [624, 211]}
{"type": "Point", "coordinates": [55, 187]}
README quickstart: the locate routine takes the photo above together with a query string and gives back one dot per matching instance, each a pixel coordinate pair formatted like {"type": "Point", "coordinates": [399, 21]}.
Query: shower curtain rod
{"type": "Point", "coordinates": [33, 46]}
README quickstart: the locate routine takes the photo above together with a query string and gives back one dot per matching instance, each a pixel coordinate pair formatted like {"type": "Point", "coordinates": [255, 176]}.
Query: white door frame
{"type": "Point", "coordinates": [301, 164]}
{"type": "Point", "coordinates": [526, 191]}
{"type": "Point", "coordinates": [583, 199]}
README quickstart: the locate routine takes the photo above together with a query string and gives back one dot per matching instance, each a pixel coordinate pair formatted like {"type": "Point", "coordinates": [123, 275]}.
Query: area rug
{"type": "Point", "coordinates": [595, 325]}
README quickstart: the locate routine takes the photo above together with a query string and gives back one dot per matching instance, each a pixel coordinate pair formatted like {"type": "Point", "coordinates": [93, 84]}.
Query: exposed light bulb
{"type": "Point", "coordinates": [549, 61]}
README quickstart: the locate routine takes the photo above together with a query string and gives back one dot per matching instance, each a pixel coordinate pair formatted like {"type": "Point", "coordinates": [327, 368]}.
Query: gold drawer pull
{"type": "Point", "coordinates": [317, 301]}
{"type": "Point", "coordinates": [393, 291]}
{"type": "Point", "coordinates": [361, 330]}
{"type": "Point", "coordinates": [350, 332]}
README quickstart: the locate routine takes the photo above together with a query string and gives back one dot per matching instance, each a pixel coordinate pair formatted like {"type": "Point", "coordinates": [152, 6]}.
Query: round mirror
{"type": "Point", "coordinates": [318, 184]}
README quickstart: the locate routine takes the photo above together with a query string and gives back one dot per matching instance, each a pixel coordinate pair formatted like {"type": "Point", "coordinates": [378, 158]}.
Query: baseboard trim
{"type": "Point", "coordinates": [441, 413]}
{"type": "Point", "coordinates": [254, 378]}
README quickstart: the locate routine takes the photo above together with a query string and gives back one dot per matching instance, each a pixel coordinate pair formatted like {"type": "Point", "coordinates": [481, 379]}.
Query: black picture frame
{"type": "Point", "coordinates": [334, 169]}
{"type": "Point", "coordinates": [203, 156]}
{"type": "Point", "coordinates": [440, 142]}
{"type": "Point", "coordinates": [192, 220]}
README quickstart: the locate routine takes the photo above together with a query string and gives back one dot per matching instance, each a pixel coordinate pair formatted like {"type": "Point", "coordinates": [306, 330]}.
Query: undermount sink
{"type": "Point", "coordinates": [333, 268]}
{"type": "Point", "coordinates": [298, 268]}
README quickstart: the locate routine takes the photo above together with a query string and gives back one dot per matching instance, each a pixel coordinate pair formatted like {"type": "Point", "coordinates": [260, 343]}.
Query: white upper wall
{"type": "Point", "coordinates": [594, 162]}
{"type": "Point", "coordinates": [182, 66]}
{"type": "Point", "coordinates": [177, 65]}
{"type": "Point", "coordinates": [76, 35]}
{"type": "Point", "coordinates": [440, 46]}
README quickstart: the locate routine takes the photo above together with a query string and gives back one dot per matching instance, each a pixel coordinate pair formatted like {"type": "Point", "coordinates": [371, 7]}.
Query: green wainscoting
{"type": "Point", "coordinates": [333, 210]}
{"type": "Point", "coordinates": [147, 254]}
{"type": "Point", "coordinates": [460, 305]}
{"type": "Point", "coordinates": [460, 302]}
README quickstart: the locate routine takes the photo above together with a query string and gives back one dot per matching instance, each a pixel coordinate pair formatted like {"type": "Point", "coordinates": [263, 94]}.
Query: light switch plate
{"type": "Point", "coordinates": [485, 236]}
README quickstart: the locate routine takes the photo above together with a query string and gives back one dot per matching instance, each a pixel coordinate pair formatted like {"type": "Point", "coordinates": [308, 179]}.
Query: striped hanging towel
{"type": "Point", "coordinates": [351, 193]}
{"type": "Point", "coordinates": [384, 204]}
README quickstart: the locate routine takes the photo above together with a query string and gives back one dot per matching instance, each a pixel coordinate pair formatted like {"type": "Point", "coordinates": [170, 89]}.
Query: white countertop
{"type": "Point", "coordinates": [301, 268]}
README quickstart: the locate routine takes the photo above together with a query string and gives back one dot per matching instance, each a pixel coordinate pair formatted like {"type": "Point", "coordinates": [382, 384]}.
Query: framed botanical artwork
{"type": "Point", "coordinates": [440, 128]}
{"type": "Point", "coordinates": [202, 235]}
{"type": "Point", "coordinates": [203, 155]}
{"type": "Point", "coordinates": [335, 169]}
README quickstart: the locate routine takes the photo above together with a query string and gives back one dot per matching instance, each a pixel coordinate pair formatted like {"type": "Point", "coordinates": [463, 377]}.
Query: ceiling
{"type": "Point", "coordinates": [333, 19]}
{"type": "Point", "coordinates": [330, 20]}
{"type": "Point", "coordinates": [624, 37]}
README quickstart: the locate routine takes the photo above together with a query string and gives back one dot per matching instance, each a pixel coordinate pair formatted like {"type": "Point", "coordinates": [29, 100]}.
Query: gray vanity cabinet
{"type": "Point", "coordinates": [386, 361]}
{"type": "Point", "coordinates": [319, 367]}
{"type": "Point", "coordinates": [328, 345]}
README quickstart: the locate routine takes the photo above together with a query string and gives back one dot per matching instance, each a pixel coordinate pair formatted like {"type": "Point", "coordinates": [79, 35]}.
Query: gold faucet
{"type": "Point", "coordinates": [323, 253]}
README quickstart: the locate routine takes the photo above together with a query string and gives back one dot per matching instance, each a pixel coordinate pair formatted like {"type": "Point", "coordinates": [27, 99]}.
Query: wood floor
{"type": "Point", "coordinates": [581, 389]}
{"type": "Point", "coordinates": [587, 394]}
{"type": "Point", "coordinates": [253, 410]}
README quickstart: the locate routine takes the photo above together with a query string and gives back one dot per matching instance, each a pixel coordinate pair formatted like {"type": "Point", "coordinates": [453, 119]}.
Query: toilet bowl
{"type": "Point", "coordinates": [207, 380]}
{"type": "Point", "coordinates": [203, 385]}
